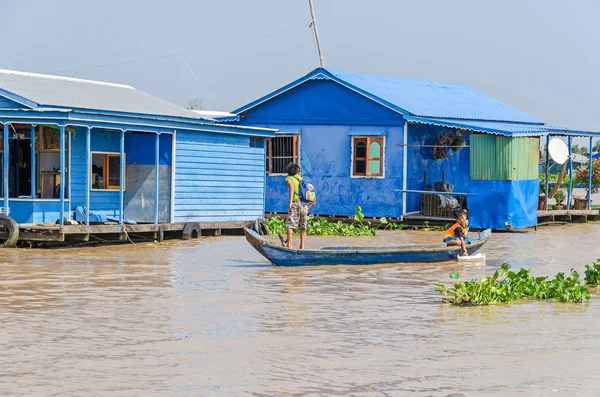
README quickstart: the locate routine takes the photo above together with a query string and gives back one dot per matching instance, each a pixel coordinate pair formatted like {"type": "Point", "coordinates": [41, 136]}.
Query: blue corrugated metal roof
{"type": "Point", "coordinates": [434, 99]}
{"type": "Point", "coordinates": [428, 102]}
{"type": "Point", "coordinates": [490, 127]}
{"type": "Point", "coordinates": [499, 128]}
{"type": "Point", "coordinates": [415, 97]}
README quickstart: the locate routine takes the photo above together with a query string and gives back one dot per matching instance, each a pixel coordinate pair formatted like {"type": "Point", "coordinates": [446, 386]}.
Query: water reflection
{"type": "Point", "coordinates": [212, 318]}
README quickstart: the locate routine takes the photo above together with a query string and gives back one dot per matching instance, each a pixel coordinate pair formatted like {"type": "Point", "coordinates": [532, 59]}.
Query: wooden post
{"type": "Point", "coordinates": [88, 172]}
{"type": "Point", "coordinates": [32, 162]}
{"type": "Point", "coordinates": [270, 154]}
{"type": "Point", "coordinates": [61, 184]}
{"type": "Point", "coordinates": [157, 174]}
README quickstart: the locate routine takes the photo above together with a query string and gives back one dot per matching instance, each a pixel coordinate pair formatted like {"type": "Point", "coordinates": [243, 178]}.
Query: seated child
{"type": "Point", "coordinates": [457, 234]}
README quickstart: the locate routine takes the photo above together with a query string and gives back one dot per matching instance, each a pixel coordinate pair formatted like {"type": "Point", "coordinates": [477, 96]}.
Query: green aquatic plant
{"type": "Point", "coordinates": [507, 286]}
{"type": "Point", "coordinates": [276, 224]}
{"type": "Point", "coordinates": [592, 274]}
{"type": "Point", "coordinates": [358, 215]}
{"type": "Point", "coordinates": [390, 225]}
{"type": "Point", "coordinates": [323, 227]}
{"type": "Point", "coordinates": [427, 228]}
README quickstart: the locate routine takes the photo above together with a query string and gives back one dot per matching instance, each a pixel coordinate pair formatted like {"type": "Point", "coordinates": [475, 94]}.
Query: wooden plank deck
{"type": "Point", "coordinates": [568, 216]}
{"type": "Point", "coordinates": [113, 232]}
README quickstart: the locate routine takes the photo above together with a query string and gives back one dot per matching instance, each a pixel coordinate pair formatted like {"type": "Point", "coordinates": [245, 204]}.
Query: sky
{"type": "Point", "coordinates": [539, 56]}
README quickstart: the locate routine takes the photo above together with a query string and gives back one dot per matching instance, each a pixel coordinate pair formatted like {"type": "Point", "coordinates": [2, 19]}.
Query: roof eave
{"type": "Point", "coordinates": [18, 99]}
{"type": "Point", "coordinates": [73, 118]}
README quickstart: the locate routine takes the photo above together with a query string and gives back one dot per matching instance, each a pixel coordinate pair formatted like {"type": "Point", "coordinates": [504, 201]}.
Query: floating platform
{"type": "Point", "coordinates": [49, 235]}
{"type": "Point", "coordinates": [568, 216]}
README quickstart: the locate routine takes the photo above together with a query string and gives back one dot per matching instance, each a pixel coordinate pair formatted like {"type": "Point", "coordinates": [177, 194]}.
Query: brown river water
{"type": "Point", "coordinates": [211, 317]}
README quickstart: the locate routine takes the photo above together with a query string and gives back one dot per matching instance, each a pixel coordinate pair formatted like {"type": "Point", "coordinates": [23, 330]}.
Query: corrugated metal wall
{"type": "Point", "coordinates": [218, 178]}
{"type": "Point", "coordinates": [502, 158]}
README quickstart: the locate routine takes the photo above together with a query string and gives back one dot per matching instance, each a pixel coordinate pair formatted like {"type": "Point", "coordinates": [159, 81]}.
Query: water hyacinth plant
{"type": "Point", "coordinates": [507, 286]}
{"type": "Point", "coordinates": [592, 274]}
{"type": "Point", "coordinates": [323, 227]}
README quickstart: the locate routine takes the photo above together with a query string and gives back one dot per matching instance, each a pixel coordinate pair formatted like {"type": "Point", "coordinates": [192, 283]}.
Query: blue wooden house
{"type": "Point", "coordinates": [386, 143]}
{"type": "Point", "coordinates": [90, 150]}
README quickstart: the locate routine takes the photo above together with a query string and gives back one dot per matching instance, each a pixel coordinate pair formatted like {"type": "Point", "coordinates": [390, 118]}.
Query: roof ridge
{"type": "Point", "coordinates": [62, 78]}
{"type": "Point", "coordinates": [378, 76]}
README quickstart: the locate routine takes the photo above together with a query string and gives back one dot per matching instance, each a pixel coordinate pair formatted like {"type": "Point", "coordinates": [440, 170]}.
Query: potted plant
{"type": "Point", "coordinates": [582, 177]}
{"type": "Point", "coordinates": [560, 198]}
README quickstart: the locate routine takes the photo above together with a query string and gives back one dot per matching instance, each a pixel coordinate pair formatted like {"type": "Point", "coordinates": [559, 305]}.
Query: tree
{"type": "Point", "coordinates": [596, 147]}
{"type": "Point", "coordinates": [194, 104]}
{"type": "Point", "coordinates": [578, 149]}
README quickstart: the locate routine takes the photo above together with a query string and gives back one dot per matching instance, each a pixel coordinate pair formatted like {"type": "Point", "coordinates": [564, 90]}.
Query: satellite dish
{"type": "Point", "coordinates": [558, 151]}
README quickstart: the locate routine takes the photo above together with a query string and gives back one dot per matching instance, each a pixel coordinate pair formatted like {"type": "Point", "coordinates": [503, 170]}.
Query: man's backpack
{"type": "Point", "coordinates": [307, 191]}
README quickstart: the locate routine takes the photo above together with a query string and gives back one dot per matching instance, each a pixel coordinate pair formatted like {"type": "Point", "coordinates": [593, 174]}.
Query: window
{"type": "Point", "coordinates": [106, 171]}
{"type": "Point", "coordinates": [367, 158]}
{"type": "Point", "coordinates": [257, 142]}
{"type": "Point", "coordinates": [281, 150]}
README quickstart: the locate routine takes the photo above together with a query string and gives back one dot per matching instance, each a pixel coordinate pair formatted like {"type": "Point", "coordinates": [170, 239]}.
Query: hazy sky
{"type": "Point", "coordinates": [540, 56]}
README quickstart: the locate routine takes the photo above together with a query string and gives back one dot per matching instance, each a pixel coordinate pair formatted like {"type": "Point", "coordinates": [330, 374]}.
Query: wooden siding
{"type": "Point", "coordinates": [218, 178]}
{"type": "Point", "coordinates": [503, 158]}
{"type": "Point", "coordinates": [101, 202]}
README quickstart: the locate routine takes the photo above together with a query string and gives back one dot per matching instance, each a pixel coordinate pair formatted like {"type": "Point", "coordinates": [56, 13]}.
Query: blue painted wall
{"type": "Point", "coordinates": [101, 202]}
{"type": "Point", "coordinates": [325, 161]}
{"type": "Point", "coordinates": [424, 170]}
{"type": "Point", "coordinates": [40, 211]}
{"type": "Point", "coordinates": [328, 113]}
{"type": "Point", "coordinates": [325, 113]}
{"type": "Point", "coordinates": [218, 178]}
{"type": "Point", "coordinates": [492, 204]}
{"type": "Point", "coordinates": [322, 102]}
{"type": "Point", "coordinates": [140, 149]}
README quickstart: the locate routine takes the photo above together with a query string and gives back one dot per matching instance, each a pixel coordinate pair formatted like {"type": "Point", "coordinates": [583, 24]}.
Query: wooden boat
{"type": "Point", "coordinates": [283, 256]}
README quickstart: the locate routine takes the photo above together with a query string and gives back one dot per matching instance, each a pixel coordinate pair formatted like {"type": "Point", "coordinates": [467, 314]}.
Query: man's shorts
{"type": "Point", "coordinates": [467, 240]}
{"type": "Point", "coordinates": [297, 218]}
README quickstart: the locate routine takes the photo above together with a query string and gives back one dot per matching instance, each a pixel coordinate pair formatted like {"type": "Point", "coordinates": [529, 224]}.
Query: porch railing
{"type": "Point", "coordinates": [433, 205]}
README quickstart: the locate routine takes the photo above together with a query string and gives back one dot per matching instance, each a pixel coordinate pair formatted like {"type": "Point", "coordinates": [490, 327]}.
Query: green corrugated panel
{"type": "Point", "coordinates": [503, 158]}
{"type": "Point", "coordinates": [483, 154]}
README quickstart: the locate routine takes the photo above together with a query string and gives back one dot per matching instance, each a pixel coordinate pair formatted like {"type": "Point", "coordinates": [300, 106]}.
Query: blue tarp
{"type": "Point", "coordinates": [505, 203]}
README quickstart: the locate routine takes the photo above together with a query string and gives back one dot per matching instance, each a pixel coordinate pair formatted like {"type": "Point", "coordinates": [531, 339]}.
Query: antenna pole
{"type": "Point", "coordinates": [314, 24]}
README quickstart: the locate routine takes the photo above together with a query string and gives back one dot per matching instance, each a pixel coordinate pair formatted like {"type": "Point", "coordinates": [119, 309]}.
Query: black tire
{"type": "Point", "coordinates": [264, 228]}
{"type": "Point", "coordinates": [256, 226]}
{"type": "Point", "coordinates": [12, 229]}
{"type": "Point", "coordinates": [191, 230]}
